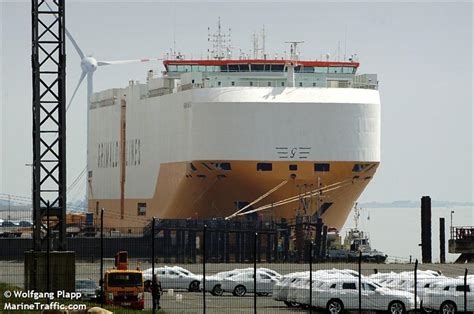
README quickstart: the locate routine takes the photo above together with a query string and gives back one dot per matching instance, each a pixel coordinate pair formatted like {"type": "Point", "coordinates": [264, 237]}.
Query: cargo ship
{"type": "Point", "coordinates": [223, 137]}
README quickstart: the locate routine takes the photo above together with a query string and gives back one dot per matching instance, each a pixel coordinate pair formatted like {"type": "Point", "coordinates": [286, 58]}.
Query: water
{"type": "Point", "coordinates": [397, 231]}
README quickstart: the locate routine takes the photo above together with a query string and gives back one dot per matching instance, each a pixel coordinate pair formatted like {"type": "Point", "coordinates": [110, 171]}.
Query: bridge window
{"type": "Point", "coordinates": [348, 70]}
{"type": "Point", "coordinates": [308, 70]}
{"type": "Point", "coordinates": [233, 68]}
{"type": "Point", "coordinates": [224, 68]}
{"type": "Point", "coordinates": [172, 68]}
{"type": "Point", "coordinates": [244, 67]}
{"type": "Point", "coordinates": [264, 166]}
{"type": "Point", "coordinates": [335, 70]}
{"type": "Point", "coordinates": [213, 68]}
{"type": "Point", "coordinates": [321, 167]}
{"type": "Point", "coordinates": [277, 67]}
{"type": "Point", "coordinates": [257, 67]}
{"type": "Point", "coordinates": [321, 70]}
{"type": "Point", "coordinates": [293, 167]}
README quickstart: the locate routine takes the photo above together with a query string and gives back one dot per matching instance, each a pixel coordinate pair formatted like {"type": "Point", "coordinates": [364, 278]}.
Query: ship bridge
{"type": "Point", "coordinates": [266, 73]}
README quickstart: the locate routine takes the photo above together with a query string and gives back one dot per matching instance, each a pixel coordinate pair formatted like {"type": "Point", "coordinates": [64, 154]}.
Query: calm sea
{"type": "Point", "coordinates": [397, 231]}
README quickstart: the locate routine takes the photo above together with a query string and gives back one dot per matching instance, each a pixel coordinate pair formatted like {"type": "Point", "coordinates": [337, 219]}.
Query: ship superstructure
{"type": "Point", "coordinates": [208, 137]}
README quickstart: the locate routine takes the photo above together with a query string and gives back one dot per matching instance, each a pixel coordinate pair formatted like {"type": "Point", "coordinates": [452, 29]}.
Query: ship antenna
{"type": "Point", "coordinates": [174, 28]}
{"type": "Point", "coordinates": [338, 49]}
{"type": "Point", "coordinates": [220, 42]}
{"type": "Point", "coordinates": [263, 42]}
{"type": "Point", "coordinates": [293, 49]}
{"type": "Point", "coordinates": [345, 42]}
{"type": "Point", "coordinates": [255, 45]}
{"type": "Point", "coordinates": [292, 62]}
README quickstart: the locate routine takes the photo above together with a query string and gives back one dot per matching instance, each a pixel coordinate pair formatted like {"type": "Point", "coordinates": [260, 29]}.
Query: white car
{"type": "Point", "coordinates": [448, 296]}
{"type": "Point", "coordinates": [271, 272]}
{"type": "Point", "coordinates": [214, 282]}
{"type": "Point", "coordinates": [88, 289]}
{"type": "Point", "coordinates": [242, 283]}
{"type": "Point", "coordinates": [173, 278]}
{"type": "Point", "coordinates": [282, 287]}
{"type": "Point", "coordinates": [300, 292]}
{"type": "Point", "coordinates": [344, 294]}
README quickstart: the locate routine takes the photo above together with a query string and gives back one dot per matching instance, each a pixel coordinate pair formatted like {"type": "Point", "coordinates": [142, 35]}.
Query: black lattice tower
{"type": "Point", "coordinates": [49, 123]}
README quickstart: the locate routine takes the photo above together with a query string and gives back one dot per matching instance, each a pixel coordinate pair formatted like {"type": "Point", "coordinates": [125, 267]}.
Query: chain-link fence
{"type": "Point", "coordinates": [211, 270]}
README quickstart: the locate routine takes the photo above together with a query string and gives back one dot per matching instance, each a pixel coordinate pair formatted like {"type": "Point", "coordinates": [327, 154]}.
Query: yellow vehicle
{"type": "Point", "coordinates": [122, 286]}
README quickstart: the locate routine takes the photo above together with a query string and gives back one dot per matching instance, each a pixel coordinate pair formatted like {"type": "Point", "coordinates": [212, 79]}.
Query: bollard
{"type": "Point", "coordinates": [442, 242]}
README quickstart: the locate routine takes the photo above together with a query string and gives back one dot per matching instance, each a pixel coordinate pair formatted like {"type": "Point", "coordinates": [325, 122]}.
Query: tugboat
{"type": "Point", "coordinates": [355, 242]}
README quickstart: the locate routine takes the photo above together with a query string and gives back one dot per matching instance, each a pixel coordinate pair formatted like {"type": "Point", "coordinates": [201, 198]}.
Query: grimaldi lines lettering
{"type": "Point", "coordinates": [108, 153]}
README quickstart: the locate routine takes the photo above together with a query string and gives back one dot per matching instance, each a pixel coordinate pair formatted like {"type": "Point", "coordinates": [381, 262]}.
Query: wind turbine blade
{"type": "Point", "coordinates": [79, 51]}
{"type": "Point", "coordinates": [101, 63]}
{"type": "Point", "coordinates": [83, 75]}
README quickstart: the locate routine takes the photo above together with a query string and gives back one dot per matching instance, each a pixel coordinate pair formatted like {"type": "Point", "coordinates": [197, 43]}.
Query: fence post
{"type": "Point", "coordinates": [255, 273]}
{"type": "Point", "coordinates": [101, 281]}
{"type": "Point", "coordinates": [204, 269]}
{"type": "Point", "coordinates": [311, 277]}
{"type": "Point", "coordinates": [416, 284]}
{"type": "Point", "coordinates": [48, 249]}
{"type": "Point", "coordinates": [153, 280]}
{"type": "Point", "coordinates": [465, 291]}
{"type": "Point", "coordinates": [360, 282]}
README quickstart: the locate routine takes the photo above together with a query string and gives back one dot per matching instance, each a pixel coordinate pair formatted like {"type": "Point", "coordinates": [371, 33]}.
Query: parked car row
{"type": "Point", "coordinates": [335, 290]}
{"type": "Point", "coordinates": [437, 292]}
{"type": "Point", "coordinates": [338, 290]}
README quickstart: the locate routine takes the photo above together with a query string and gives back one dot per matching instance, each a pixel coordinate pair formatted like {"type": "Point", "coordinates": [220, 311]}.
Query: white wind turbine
{"type": "Point", "coordinates": [89, 65]}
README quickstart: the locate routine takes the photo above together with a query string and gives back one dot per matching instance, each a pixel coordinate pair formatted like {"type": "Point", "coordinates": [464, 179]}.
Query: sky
{"type": "Point", "coordinates": [422, 53]}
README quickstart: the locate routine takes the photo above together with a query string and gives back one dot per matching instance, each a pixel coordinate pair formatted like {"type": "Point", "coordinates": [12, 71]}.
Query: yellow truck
{"type": "Point", "coordinates": [122, 286]}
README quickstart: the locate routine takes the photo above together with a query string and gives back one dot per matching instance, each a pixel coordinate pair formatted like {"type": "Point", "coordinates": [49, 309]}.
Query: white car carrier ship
{"type": "Point", "coordinates": [211, 136]}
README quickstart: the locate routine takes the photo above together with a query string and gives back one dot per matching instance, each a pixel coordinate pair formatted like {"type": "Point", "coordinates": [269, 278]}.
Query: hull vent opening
{"type": "Point", "coordinates": [264, 166]}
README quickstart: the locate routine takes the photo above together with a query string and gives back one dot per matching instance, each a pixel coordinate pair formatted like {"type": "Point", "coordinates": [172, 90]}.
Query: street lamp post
{"type": "Point", "coordinates": [451, 228]}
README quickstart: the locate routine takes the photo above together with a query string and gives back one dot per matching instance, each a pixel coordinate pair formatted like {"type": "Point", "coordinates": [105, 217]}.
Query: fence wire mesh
{"type": "Point", "coordinates": [215, 271]}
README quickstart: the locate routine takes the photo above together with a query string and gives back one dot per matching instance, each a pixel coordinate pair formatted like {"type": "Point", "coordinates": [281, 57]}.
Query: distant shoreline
{"type": "Point", "coordinates": [372, 204]}
{"type": "Point", "coordinates": [414, 204]}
